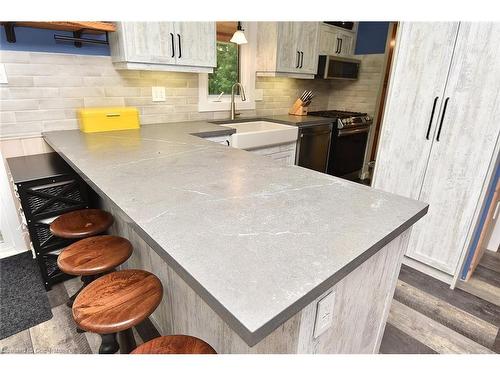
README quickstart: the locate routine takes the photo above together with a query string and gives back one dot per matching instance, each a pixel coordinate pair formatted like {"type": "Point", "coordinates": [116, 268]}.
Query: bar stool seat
{"type": "Point", "coordinates": [117, 301]}
{"type": "Point", "coordinates": [81, 223]}
{"type": "Point", "coordinates": [94, 255]}
{"type": "Point", "coordinates": [175, 344]}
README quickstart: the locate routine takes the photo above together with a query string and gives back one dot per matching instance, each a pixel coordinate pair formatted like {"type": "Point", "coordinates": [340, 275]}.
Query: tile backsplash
{"type": "Point", "coordinates": [45, 89]}
{"type": "Point", "coordinates": [360, 95]}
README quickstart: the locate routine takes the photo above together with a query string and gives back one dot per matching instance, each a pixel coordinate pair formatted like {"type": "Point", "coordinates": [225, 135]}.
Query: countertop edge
{"type": "Point", "coordinates": [250, 338]}
{"type": "Point", "coordinates": [215, 133]}
{"type": "Point", "coordinates": [279, 120]}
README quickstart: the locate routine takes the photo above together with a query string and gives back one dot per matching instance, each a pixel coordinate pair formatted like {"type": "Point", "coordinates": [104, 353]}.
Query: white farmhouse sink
{"type": "Point", "coordinates": [255, 134]}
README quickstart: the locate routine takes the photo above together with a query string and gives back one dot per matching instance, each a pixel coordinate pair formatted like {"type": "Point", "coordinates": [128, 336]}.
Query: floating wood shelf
{"type": "Point", "coordinates": [77, 28]}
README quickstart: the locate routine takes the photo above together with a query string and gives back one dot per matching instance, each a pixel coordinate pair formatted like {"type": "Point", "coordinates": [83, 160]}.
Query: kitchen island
{"type": "Point", "coordinates": [246, 248]}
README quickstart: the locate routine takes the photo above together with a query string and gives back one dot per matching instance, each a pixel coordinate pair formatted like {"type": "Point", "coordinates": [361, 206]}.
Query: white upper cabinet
{"type": "Point", "coordinates": [148, 42]}
{"type": "Point", "coordinates": [288, 49]}
{"type": "Point", "coordinates": [287, 54]}
{"type": "Point", "coordinates": [175, 46]}
{"type": "Point", "coordinates": [336, 41]}
{"type": "Point", "coordinates": [196, 43]}
{"type": "Point", "coordinates": [439, 133]}
{"type": "Point", "coordinates": [307, 44]}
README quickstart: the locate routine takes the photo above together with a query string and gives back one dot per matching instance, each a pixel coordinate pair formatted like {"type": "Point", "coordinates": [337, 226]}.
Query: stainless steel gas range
{"type": "Point", "coordinates": [348, 142]}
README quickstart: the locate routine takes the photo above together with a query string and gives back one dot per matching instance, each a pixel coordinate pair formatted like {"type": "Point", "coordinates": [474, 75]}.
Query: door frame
{"type": "Point", "coordinates": [477, 223]}
{"type": "Point", "coordinates": [373, 137]}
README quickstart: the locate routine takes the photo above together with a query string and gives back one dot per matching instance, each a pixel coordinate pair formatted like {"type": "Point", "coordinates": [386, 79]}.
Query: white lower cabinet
{"type": "Point", "coordinates": [283, 153]}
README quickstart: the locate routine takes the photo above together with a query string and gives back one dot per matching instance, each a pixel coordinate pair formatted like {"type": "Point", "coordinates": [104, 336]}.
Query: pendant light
{"type": "Point", "coordinates": [239, 35]}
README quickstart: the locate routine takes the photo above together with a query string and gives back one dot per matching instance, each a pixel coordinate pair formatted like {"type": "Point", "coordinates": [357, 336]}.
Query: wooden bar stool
{"type": "Point", "coordinates": [81, 223]}
{"type": "Point", "coordinates": [175, 344]}
{"type": "Point", "coordinates": [92, 257]}
{"type": "Point", "coordinates": [114, 303]}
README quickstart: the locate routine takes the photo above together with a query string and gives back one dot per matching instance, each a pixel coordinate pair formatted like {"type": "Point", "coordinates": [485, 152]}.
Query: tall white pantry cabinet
{"type": "Point", "coordinates": [440, 131]}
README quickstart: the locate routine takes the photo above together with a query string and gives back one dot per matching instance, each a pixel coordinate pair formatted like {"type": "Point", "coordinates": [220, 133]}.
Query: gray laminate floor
{"type": "Point", "coordinates": [428, 317]}
{"type": "Point", "coordinates": [58, 335]}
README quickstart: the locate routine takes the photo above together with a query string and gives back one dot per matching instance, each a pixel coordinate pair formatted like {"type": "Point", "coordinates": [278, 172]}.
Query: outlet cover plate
{"type": "Point", "coordinates": [158, 93]}
{"type": "Point", "coordinates": [324, 314]}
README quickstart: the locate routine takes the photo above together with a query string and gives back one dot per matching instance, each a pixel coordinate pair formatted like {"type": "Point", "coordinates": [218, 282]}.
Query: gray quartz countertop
{"type": "Point", "coordinates": [300, 121]}
{"type": "Point", "coordinates": [256, 240]}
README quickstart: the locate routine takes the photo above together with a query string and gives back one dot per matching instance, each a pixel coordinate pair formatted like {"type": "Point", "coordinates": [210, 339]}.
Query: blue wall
{"type": "Point", "coordinates": [40, 40]}
{"type": "Point", "coordinates": [372, 37]}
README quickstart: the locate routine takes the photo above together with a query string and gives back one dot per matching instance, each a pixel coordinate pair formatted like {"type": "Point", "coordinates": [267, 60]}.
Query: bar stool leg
{"type": "Point", "coordinates": [109, 345]}
{"type": "Point", "coordinates": [126, 341]}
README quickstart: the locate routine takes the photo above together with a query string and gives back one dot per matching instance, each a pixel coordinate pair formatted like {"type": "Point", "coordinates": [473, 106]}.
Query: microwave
{"type": "Point", "coordinates": [338, 67]}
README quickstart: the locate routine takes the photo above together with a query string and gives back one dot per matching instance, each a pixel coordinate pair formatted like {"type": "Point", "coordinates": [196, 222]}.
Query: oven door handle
{"type": "Point", "coordinates": [346, 132]}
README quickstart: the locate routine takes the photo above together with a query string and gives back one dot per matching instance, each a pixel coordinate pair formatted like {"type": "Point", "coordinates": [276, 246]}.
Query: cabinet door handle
{"type": "Point", "coordinates": [173, 44]}
{"type": "Point", "coordinates": [337, 48]}
{"type": "Point", "coordinates": [442, 119]}
{"type": "Point", "coordinates": [298, 60]}
{"type": "Point", "coordinates": [180, 48]}
{"type": "Point", "coordinates": [340, 48]}
{"type": "Point", "coordinates": [432, 116]}
{"type": "Point", "coordinates": [301, 59]}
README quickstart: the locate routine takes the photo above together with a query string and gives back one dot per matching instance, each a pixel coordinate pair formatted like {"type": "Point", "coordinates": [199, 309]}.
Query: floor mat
{"type": "Point", "coordinates": [23, 299]}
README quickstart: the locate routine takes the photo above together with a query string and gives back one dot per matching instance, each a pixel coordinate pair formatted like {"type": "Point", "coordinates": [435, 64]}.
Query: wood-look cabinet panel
{"type": "Point", "coordinates": [422, 60]}
{"type": "Point", "coordinates": [459, 160]}
{"type": "Point", "coordinates": [149, 42]}
{"type": "Point", "coordinates": [439, 133]}
{"type": "Point", "coordinates": [307, 44]}
{"type": "Point", "coordinates": [176, 46]}
{"type": "Point", "coordinates": [283, 153]}
{"type": "Point", "coordinates": [196, 43]}
{"type": "Point", "coordinates": [346, 47]}
{"type": "Point", "coordinates": [335, 41]}
{"type": "Point", "coordinates": [287, 49]}
{"type": "Point", "coordinates": [288, 58]}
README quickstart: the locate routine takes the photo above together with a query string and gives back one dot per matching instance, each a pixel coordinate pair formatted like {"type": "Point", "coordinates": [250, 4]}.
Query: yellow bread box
{"type": "Point", "coordinates": [105, 119]}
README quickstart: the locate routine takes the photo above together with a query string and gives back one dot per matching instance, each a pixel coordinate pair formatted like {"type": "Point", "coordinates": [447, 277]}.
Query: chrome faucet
{"type": "Point", "coordinates": [233, 105]}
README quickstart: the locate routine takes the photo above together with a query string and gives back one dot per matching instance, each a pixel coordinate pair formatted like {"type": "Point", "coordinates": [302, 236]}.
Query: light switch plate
{"type": "Point", "coordinates": [3, 74]}
{"type": "Point", "coordinates": [158, 93]}
{"type": "Point", "coordinates": [324, 314]}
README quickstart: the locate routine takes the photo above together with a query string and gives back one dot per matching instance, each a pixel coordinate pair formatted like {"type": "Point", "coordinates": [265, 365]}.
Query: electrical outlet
{"type": "Point", "coordinates": [3, 74]}
{"type": "Point", "coordinates": [158, 93]}
{"type": "Point", "coordinates": [324, 314]}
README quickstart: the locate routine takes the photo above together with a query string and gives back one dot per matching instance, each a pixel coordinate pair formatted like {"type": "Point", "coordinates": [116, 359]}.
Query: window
{"type": "Point", "coordinates": [234, 64]}
{"type": "Point", "coordinates": [227, 72]}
